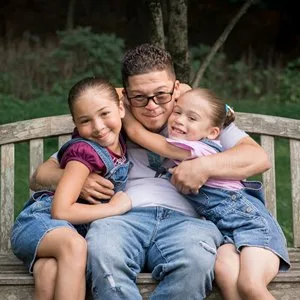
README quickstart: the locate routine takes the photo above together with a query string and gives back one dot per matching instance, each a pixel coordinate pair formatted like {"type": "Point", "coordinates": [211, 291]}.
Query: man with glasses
{"type": "Point", "coordinates": [162, 233]}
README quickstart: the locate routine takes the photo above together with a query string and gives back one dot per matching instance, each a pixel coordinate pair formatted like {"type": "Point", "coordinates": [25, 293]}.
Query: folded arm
{"type": "Point", "coordinates": [152, 141]}
{"type": "Point", "coordinates": [245, 159]}
{"type": "Point", "coordinates": [66, 207]}
{"type": "Point", "coordinates": [49, 173]}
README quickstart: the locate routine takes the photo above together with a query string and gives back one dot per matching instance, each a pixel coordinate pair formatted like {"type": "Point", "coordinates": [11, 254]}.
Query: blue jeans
{"type": "Point", "coordinates": [180, 252]}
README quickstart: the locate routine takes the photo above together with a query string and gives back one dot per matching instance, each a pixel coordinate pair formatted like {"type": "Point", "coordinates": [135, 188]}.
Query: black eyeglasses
{"type": "Point", "coordinates": [158, 98]}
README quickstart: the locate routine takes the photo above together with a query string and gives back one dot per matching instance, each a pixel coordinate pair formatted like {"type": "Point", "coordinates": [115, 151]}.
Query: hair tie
{"type": "Point", "coordinates": [228, 108]}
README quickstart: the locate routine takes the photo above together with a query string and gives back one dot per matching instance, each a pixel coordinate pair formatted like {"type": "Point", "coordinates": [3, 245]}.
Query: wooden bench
{"type": "Point", "coordinates": [15, 283]}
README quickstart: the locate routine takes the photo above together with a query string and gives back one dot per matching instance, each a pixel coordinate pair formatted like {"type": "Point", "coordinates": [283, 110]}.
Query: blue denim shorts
{"type": "Point", "coordinates": [33, 223]}
{"type": "Point", "coordinates": [242, 218]}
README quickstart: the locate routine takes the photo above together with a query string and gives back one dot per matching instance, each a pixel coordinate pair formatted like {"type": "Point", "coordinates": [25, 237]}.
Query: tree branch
{"type": "Point", "coordinates": [220, 41]}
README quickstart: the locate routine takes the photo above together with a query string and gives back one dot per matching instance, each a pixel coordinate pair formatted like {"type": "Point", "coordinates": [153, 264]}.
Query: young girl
{"type": "Point", "coordinates": [236, 207]}
{"type": "Point", "coordinates": [50, 223]}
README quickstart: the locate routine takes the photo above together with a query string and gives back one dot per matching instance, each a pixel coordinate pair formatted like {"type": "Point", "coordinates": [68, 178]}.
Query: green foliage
{"type": "Point", "coordinates": [33, 70]}
{"type": "Point", "coordinates": [249, 77]}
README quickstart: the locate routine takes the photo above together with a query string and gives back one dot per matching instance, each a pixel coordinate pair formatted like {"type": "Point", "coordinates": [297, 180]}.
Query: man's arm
{"type": "Point", "coordinates": [48, 174]}
{"type": "Point", "coordinates": [245, 159]}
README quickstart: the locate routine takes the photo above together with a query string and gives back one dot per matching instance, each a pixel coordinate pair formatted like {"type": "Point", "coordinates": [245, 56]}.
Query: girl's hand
{"type": "Point", "coordinates": [120, 203]}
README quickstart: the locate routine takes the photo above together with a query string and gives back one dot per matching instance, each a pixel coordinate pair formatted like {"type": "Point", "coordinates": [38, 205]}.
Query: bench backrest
{"type": "Point", "coordinates": [34, 131]}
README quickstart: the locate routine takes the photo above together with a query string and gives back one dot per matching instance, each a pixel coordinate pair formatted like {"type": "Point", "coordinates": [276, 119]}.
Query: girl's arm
{"type": "Point", "coordinates": [152, 141]}
{"type": "Point", "coordinates": [65, 204]}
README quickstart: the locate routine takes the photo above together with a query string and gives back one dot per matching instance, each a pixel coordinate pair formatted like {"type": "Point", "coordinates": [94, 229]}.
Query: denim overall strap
{"type": "Point", "coordinates": [101, 151]}
{"type": "Point", "coordinates": [212, 144]}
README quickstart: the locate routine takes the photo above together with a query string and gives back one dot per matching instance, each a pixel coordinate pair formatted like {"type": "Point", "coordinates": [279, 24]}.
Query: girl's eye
{"type": "Point", "coordinates": [105, 113]}
{"type": "Point", "coordinates": [192, 118]}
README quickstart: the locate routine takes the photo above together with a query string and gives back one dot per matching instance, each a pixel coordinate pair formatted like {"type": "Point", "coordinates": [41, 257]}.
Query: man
{"type": "Point", "coordinates": [162, 232]}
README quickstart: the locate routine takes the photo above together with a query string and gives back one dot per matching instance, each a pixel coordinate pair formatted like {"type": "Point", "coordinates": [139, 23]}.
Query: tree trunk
{"type": "Point", "coordinates": [178, 38]}
{"type": "Point", "coordinates": [157, 24]}
{"type": "Point", "coordinates": [70, 15]}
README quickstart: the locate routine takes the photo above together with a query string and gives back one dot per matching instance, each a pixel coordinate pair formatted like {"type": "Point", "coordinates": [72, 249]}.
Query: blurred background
{"type": "Point", "coordinates": [46, 46]}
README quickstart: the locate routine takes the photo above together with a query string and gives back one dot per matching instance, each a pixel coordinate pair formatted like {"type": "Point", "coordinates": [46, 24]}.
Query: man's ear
{"type": "Point", "coordinates": [176, 92]}
{"type": "Point", "coordinates": [123, 96]}
{"type": "Point", "coordinates": [214, 133]}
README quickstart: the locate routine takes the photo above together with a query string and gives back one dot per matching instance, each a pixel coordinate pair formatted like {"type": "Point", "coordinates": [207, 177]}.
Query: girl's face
{"type": "Point", "coordinates": [98, 118]}
{"type": "Point", "coordinates": [190, 119]}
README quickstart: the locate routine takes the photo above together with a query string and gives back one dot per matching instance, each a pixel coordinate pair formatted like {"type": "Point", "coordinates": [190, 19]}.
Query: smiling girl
{"type": "Point", "coordinates": [236, 207]}
{"type": "Point", "coordinates": [53, 224]}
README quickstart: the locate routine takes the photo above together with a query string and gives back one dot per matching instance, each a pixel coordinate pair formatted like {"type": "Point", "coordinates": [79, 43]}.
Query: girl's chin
{"type": "Point", "coordinates": [176, 137]}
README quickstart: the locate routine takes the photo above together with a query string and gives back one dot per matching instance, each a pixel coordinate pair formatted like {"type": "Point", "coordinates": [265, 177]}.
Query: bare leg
{"type": "Point", "coordinates": [227, 269]}
{"type": "Point", "coordinates": [44, 272]}
{"type": "Point", "coordinates": [70, 251]}
{"type": "Point", "coordinates": [258, 267]}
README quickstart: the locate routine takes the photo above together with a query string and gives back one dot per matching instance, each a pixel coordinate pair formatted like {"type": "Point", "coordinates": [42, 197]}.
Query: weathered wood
{"type": "Point", "coordinates": [20, 286]}
{"type": "Point", "coordinates": [269, 125]}
{"type": "Point", "coordinates": [15, 283]}
{"type": "Point", "coordinates": [7, 195]}
{"type": "Point", "coordinates": [63, 139]}
{"type": "Point", "coordinates": [295, 178]}
{"type": "Point", "coordinates": [269, 180]}
{"type": "Point", "coordinates": [36, 128]}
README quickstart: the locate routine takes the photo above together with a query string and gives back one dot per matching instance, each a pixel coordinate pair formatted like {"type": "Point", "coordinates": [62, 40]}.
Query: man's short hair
{"type": "Point", "coordinates": [146, 58]}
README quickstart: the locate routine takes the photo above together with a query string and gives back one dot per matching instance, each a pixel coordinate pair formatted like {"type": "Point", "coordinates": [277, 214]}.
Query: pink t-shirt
{"type": "Point", "coordinates": [197, 149]}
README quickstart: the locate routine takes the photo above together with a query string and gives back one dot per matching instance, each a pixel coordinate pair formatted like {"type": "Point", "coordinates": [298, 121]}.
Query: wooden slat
{"type": "Point", "coordinates": [269, 180]}
{"type": "Point", "coordinates": [63, 139]}
{"type": "Point", "coordinates": [36, 128]}
{"type": "Point", "coordinates": [295, 178]}
{"type": "Point", "coordinates": [7, 195]}
{"type": "Point", "coordinates": [269, 125]}
{"type": "Point", "coordinates": [36, 155]}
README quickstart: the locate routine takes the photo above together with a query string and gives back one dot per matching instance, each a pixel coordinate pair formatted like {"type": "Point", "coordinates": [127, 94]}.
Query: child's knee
{"type": "Point", "coordinates": [45, 269]}
{"type": "Point", "coordinates": [250, 288]}
{"type": "Point", "coordinates": [75, 246]}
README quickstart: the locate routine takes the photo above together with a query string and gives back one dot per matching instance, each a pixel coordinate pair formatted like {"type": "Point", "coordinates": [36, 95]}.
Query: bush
{"type": "Point", "coordinates": [32, 69]}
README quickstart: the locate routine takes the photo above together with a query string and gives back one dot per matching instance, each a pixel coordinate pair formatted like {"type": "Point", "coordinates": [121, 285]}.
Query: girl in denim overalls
{"type": "Point", "coordinates": [236, 207]}
{"type": "Point", "coordinates": [52, 224]}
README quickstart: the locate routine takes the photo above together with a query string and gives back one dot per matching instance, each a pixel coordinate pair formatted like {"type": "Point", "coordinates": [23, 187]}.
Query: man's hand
{"type": "Point", "coordinates": [188, 176]}
{"type": "Point", "coordinates": [96, 187]}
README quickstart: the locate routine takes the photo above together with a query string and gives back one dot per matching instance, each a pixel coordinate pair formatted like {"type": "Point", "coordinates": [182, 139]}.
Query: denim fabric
{"type": "Point", "coordinates": [118, 175]}
{"type": "Point", "coordinates": [180, 252]}
{"type": "Point", "coordinates": [242, 218]}
{"type": "Point", "coordinates": [35, 220]}
{"type": "Point", "coordinates": [33, 223]}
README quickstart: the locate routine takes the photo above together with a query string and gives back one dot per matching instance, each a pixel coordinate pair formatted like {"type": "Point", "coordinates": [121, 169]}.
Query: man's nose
{"type": "Point", "coordinates": [151, 104]}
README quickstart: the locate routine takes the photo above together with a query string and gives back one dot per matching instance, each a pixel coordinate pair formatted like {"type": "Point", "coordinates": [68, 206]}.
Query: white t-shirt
{"type": "Point", "coordinates": [145, 189]}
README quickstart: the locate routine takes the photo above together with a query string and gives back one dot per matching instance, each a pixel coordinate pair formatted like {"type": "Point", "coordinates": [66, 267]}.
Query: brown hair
{"type": "Point", "coordinates": [146, 58]}
{"type": "Point", "coordinates": [221, 114]}
{"type": "Point", "coordinates": [91, 83]}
